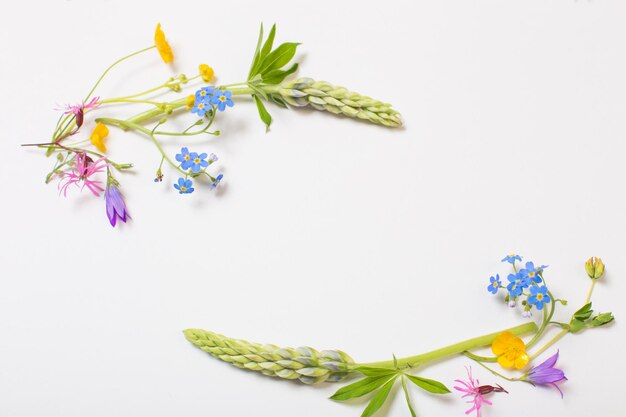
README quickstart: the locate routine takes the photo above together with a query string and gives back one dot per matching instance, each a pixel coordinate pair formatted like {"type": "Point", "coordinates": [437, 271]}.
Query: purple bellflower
{"type": "Point", "coordinates": [116, 208]}
{"type": "Point", "coordinates": [546, 374]}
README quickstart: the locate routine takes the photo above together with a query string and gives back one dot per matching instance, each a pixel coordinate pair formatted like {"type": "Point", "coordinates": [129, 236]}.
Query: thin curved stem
{"type": "Point", "coordinates": [491, 370]}
{"type": "Point", "coordinates": [546, 319]}
{"type": "Point", "coordinates": [125, 124]}
{"type": "Point", "coordinates": [111, 67]}
{"type": "Point", "coordinates": [550, 343]}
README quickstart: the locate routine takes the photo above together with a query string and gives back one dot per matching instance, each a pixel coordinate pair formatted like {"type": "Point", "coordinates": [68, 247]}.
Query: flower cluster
{"type": "Point", "coordinates": [208, 98]}
{"type": "Point", "coordinates": [80, 157]}
{"type": "Point", "coordinates": [194, 164]}
{"type": "Point", "coordinates": [526, 282]}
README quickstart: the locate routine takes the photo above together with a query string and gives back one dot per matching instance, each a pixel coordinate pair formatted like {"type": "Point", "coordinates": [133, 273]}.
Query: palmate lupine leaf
{"type": "Point", "coordinates": [361, 387]}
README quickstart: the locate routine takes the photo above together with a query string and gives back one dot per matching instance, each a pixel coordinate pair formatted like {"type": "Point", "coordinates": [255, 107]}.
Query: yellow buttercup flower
{"type": "Point", "coordinates": [510, 350]}
{"type": "Point", "coordinates": [162, 46]}
{"type": "Point", "coordinates": [97, 136]}
{"type": "Point", "coordinates": [206, 72]}
{"type": "Point", "coordinates": [191, 100]}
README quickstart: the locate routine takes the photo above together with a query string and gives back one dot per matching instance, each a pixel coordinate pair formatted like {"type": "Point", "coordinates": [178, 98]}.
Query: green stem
{"type": "Point", "coordinates": [455, 349]}
{"type": "Point", "coordinates": [177, 104]}
{"type": "Point", "coordinates": [550, 343]}
{"type": "Point", "coordinates": [129, 100]}
{"type": "Point", "coordinates": [168, 84]}
{"type": "Point", "coordinates": [491, 370]}
{"type": "Point", "coordinates": [126, 125]}
{"type": "Point", "coordinates": [479, 358]}
{"type": "Point", "coordinates": [593, 284]}
{"type": "Point", "coordinates": [546, 319]}
{"type": "Point", "coordinates": [111, 67]}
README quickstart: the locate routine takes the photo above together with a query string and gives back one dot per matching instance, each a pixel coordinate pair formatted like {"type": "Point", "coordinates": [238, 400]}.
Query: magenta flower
{"type": "Point", "coordinates": [116, 208]}
{"type": "Point", "coordinates": [546, 374]}
{"type": "Point", "coordinates": [84, 168]}
{"type": "Point", "coordinates": [472, 388]}
{"type": "Point", "coordinates": [79, 109]}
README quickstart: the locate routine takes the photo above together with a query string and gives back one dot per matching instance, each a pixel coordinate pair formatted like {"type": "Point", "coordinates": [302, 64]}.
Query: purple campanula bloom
{"type": "Point", "coordinates": [546, 374]}
{"type": "Point", "coordinates": [116, 208]}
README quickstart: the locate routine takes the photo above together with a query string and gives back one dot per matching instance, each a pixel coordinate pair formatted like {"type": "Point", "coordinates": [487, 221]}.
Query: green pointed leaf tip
{"type": "Point", "coordinates": [430, 385]}
{"type": "Point", "coordinates": [257, 53]}
{"type": "Point", "coordinates": [602, 319]}
{"type": "Point", "coordinates": [267, 46]}
{"type": "Point", "coordinates": [360, 388]}
{"type": "Point", "coordinates": [379, 398]}
{"type": "Point", "coordinates": [277, 76]}
{"type": "Point", "coordinates": [265, 116]}
{"type": "Point", "coordinates": [584, 312]}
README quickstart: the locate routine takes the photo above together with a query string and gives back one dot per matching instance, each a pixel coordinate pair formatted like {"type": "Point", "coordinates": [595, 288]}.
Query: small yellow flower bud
{"type": "Point", "coordinates": [191, 100]}
{"type": "Point", "coordinates": [594, 267]}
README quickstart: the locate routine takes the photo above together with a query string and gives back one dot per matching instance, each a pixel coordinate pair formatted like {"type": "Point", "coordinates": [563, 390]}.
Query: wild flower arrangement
{"type": "Point", "coordinates": [526, 287]}
{"type": "Point", "coordinates": [79, 162]}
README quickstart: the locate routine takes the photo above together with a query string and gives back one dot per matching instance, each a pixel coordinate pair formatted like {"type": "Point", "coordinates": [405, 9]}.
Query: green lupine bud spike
{"type": "Point", "coordinates": [304, 363]}
{"type": "Point", "coordinates": [338, 100]}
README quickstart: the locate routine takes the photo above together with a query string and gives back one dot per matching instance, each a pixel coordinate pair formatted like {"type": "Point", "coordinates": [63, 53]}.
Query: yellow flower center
{"type": "Point", "coordinates": [196, 161]}
{"type": "Point", "coordinates": [183, 188]}
{"type": "Point", "coordinates": [495, 284]}
{"type": "Point", "coordinates": [540, 297]}
{"type": "Point", "coordinates": [201, 106]}
{"type": "Point", "coordinates": [187, 157]}
{"type": "Point", "coordinates": [531, 274]}
{"type": "Point", "coordinates": [222, 98]}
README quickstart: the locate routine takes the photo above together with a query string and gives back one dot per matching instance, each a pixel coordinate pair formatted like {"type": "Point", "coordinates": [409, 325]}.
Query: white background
{"type": "Point", "coordinates": [327, 232]}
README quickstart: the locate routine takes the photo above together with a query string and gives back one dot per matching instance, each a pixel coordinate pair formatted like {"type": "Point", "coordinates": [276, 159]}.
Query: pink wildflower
{"type": "Point", "coordinates": [78, 110]}
{"type": "Point", "coordinates": [84, 168]}
{"type": "Point", "coordinates": [477, 392]}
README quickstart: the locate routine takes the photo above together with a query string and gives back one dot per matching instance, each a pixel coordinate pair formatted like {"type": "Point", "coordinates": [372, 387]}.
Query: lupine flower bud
{"type": "Point", "coordinates": [594, 267]}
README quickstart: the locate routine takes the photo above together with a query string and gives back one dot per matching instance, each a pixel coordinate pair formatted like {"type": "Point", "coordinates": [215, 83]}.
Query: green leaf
{"type": "Point", "coordinates": [379, 398]}
{"type": "Point", "coordinates": [367, 371]}
{"type": "Point", "coordinates": [602, 319]}
{"type": "Point", "coordinates": [429, 385]}
{"type": "Point", "coordinates": [576, 325]}
{"type": "Point", "coordinates": [267, 46]}
{"type": "Point", "coordinates": [408, 399]}
{"type": "Point", "coordinates": [360, 388]}
{"type": "Point", "coordinates": [278, 58]}
{"type": "Point", "coordinates": [584, 312]}
{"type": "Point", "coordinates": [256, 59]}
{"type": "Point", "coordinates": [277, 76]}
{"type": "Point", "coordinates": [265, 116]}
